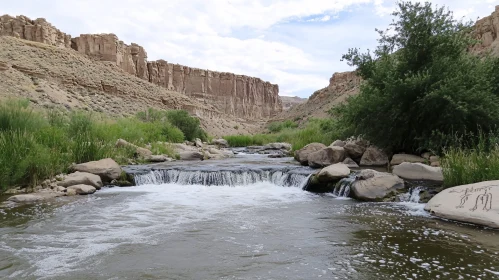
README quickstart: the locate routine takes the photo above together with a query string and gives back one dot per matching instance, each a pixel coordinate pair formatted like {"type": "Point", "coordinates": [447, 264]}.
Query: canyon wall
{"type": "Point", "coordinates": [236, 95]}
{"type": "Point", "coordinates": [486, 30]}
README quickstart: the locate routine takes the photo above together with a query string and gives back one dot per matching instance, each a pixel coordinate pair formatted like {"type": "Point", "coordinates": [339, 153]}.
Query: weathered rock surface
{"type": "Point", "coordinates": [371, 185]}
{"type": "Point", "coordinates": [79, 178]}
{"type": "Point", "coordinates": [354, 150]}
{"type": "Point", "coordinates": [338, 143]}
{"type": "Point", "coordinates": [326, 157]}
{"type": "Point", "coordinates": [418, 171]}
{"type": "Point", "coordinates": [221, 143]}
{"type": "Point", "coordinates": [474, 203]}
{"type": "Point", "coordinates": [373, 156]}
{"type": "Point", "coordinates": [81, 189]}
{"type": "Point", "coordinates": [38, 30]}
{"type": "Point", "coordinates": [34, 197]}
{"type": "Point", "coordinates": [400, 158]}
{"type": "Point", "coordinates": [290, 101]}
{"type": "Point", "coordinates": [191, 155]}
{"type": "Point", "coordinates": [107, 169]}
{"type": "Point", "coordinates": [333, 172]}
{"type": "Point", "coordinates": [278, 146]}
{"type": "Point", "coordinates": [158, 158]}
{"type": "Point", "coordinates": [486, 30]}
{"type": "Point", "coordinates": [302, 154]}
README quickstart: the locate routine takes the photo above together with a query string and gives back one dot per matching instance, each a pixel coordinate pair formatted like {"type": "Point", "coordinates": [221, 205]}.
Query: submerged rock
{"type": "Point", "coordinates": [302, 154]}
{"type": "Point", "coordinates": [474, 203]}
{"type": "Point", "coordinates": [34, 197]}
{"type": "Point", "coordinates": [400, 158]}
{"type": "Point", "coordinates": [107, 169]}
{"type": "Point", "coordinates": [418, 171]}
{"type": "Point", "coordinates": [373, 156]}
{"type": "Point", "coordinates": [371, 185]}
{"type": "Point", "coordinates": [78, 178]}
{"type": "Point", "coordinates": [326, 157]}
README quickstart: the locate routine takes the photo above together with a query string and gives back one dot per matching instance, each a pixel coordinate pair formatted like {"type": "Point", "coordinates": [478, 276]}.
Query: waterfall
{"type": "Point", "coordinates": [342, 188]}
{"type": "Point", "coordinates": [412, 195]}
{"type": "Point", "coordinates": [221, 178]}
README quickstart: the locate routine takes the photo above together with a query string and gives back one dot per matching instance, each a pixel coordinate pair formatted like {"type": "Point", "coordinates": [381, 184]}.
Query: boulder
{"type": "Point", "coordinates": [426, 155]}
{"type": "Point", "coordinates": [198, 143]}
{"type": "Point", "coordinates": [107, 169]}
{"type": "Point", "coordinates": [325, 157]}
{"type": "Point", "coordinates": [221, 143]}
{"type": "Point", "coordinates": [82, 189]}
{"type": "Point", "coordinates": [33, 197]}
{"type": "Point", "coordinates": [141, 152]}
{"type": "Point", "coordinates": [371, 185]}
{"type": "Point", "coordinates": [183, 148]}
{"type": "Point", "coordinates": [418, 171]}
{"type": "Point", "coordinates": [302, 154]}
{"type": "Point", "coordinates": [191, 155]}
{"type": "Point", "coordinates": [474, 203]}
{"type": "Point", "coordinates": [400, 158]}
{"type": "Point", "coordinates": [374, 156]}
{"type": "Point", "coordinates": [338, 143]}
{"type": "Point", "coordinates": [158, 158]}
{"type": "Point", "coordinates": [350, 163]}
{"type": "Point", "coordinates": [334, 172]}
{"type": "Point", "coordinates": [78, 178]}
{"type": "Point", "coordinates": [278, 146]}
{"type": "Point", "coordinates": [354, 150]}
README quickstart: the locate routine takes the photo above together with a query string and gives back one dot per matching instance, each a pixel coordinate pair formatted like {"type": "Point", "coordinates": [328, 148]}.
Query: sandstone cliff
{"type": "Point", "coordinates": [486, 30]}
{"type": "Point", "coordinates": [235, 95]}
{"type": "Point", "coordinates": [341, 86]}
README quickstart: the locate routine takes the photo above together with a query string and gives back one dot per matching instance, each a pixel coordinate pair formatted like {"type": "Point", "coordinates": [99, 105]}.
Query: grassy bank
{"type": "Point", "coordinates": [466, 166]}
{"type": "Point", "coordinates": [315, 131]}
{"type": "Point", "coordinates": [35, 145]}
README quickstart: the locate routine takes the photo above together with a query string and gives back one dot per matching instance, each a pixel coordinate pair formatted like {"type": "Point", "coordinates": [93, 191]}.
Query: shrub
{"type": "Point", "coordinates": [279, 126]}
{"type": "Point", "coordinates": [420, 85]}
{"type": "Point", "coordinates": [189, 125]}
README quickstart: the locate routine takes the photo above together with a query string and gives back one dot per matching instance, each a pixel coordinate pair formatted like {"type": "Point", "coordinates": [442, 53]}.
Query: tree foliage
{"type": "Point", "coordinates": [421, 87]}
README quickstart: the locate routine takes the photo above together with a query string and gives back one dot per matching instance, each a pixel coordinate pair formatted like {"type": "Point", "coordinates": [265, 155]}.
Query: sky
{"type": "Point", "coordinates": [296, 44]}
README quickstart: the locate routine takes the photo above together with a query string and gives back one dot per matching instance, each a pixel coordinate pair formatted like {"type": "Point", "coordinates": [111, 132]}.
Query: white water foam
{"type": "Point", "coordinates": [80, 233]}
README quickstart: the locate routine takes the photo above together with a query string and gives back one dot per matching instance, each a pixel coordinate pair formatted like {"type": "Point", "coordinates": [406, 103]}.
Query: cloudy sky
{"type": "Point", "coordinates": [295, 43]}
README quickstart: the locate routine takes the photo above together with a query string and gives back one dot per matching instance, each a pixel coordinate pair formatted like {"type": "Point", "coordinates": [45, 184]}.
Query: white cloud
{"type": "Point", "coordinates": [270, 39]}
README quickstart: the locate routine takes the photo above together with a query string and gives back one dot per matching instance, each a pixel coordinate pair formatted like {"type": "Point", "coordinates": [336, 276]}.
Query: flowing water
{"type": "Point", "coordinates": [249, 224]}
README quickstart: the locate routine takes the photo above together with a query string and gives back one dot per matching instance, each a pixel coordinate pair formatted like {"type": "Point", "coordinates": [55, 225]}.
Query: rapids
{"type": "Point", "coordinates": [226, 227]}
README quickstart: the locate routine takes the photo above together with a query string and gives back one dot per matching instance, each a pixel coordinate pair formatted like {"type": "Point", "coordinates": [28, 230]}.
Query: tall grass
{"type": "Point", "coordinates": [472, 165]}
{"type": "Point", "coordinates": [322, 131]}
{"type": "Point", "coordinates": [36, 145]}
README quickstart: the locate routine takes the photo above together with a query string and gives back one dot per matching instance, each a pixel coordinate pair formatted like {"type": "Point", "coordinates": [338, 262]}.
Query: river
{"type": "Point", "coordinates": [257, 229]}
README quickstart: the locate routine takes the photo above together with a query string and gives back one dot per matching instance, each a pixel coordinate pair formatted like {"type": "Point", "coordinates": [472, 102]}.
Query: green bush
{"type": "Point", "coordinates": [420, 86]}
{"type": "Point", "coordinates": [275, 127]}
{"type": "Point", "coordinates": [472, 165]}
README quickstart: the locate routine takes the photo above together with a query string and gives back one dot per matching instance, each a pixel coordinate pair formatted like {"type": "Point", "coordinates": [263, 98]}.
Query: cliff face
{"type": "Point", "coordinates": [289, 101]}
{"type": "Point", "coordinates": [236, 95]}
{"type": "Point", "coordinates": [486, 30]}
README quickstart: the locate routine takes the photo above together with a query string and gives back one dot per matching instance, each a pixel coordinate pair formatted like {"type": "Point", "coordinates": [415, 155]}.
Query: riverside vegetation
{"type": "Point", "coordinates": [422, 90]}
{"type": "Point", "coordinates": [35, 145]}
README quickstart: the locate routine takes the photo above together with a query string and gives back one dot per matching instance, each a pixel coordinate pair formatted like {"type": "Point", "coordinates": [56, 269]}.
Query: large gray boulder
{"type": "Point", "coordinates": [350, 163]}
{"type": "Point", "coordinates": [302, 154]}
{"type": "Point", "coordinates": [191, 155]}
{"type": "Point", "coordinates": [220, 143]}
{"type": "Point", "coordinates": [338, 143]}
{"type": "Point", "coordinates": [81, 189]}
{"type": "Point", "coordinates": [418, 171]}
{"type": "Point", "coordinates": [373, 156]}
{"type": "Point", "coordinates": [333, 172]}
{"type": "Point", "coordinates": [107, 169]}
{"type": "Point", "coordinates": [326, 157]}
{"type": "Point", "coordinates": [354, 150]}
{"type": "Point", "coordinates": [474, 203]}
{"type": "Point", "coordinates": [400, 158]}
{"type": "Point", "coordinates": [78, 178]}
{"type": "Point", "coordinates": [371, 185]}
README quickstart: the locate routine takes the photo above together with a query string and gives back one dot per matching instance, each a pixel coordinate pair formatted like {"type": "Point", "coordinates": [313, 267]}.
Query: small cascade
{"type": "Point", "coordinates": [342, 188]}
{"type": "Point", "coordinates": [305, 183]}
{"type": "Point", "coordinates": [221, 178]}
{"type": "Point", "coordinates": [412, 195]}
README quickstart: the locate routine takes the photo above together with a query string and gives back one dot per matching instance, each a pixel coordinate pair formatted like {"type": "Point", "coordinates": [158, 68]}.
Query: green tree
{"type": "Point", "coordinates": [420, 86]}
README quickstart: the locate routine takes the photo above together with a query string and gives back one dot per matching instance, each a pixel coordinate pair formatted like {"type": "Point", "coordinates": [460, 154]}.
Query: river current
{"type": "Point", "coordinates": [257, 230]}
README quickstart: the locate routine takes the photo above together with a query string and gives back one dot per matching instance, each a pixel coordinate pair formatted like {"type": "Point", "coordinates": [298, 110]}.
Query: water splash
{"type": "Point", "coordinates": [412, 195]}
{"type": "Point", "coordinates": [342, 188]}
{"type": "Point", "coordinates": [221, 178]}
